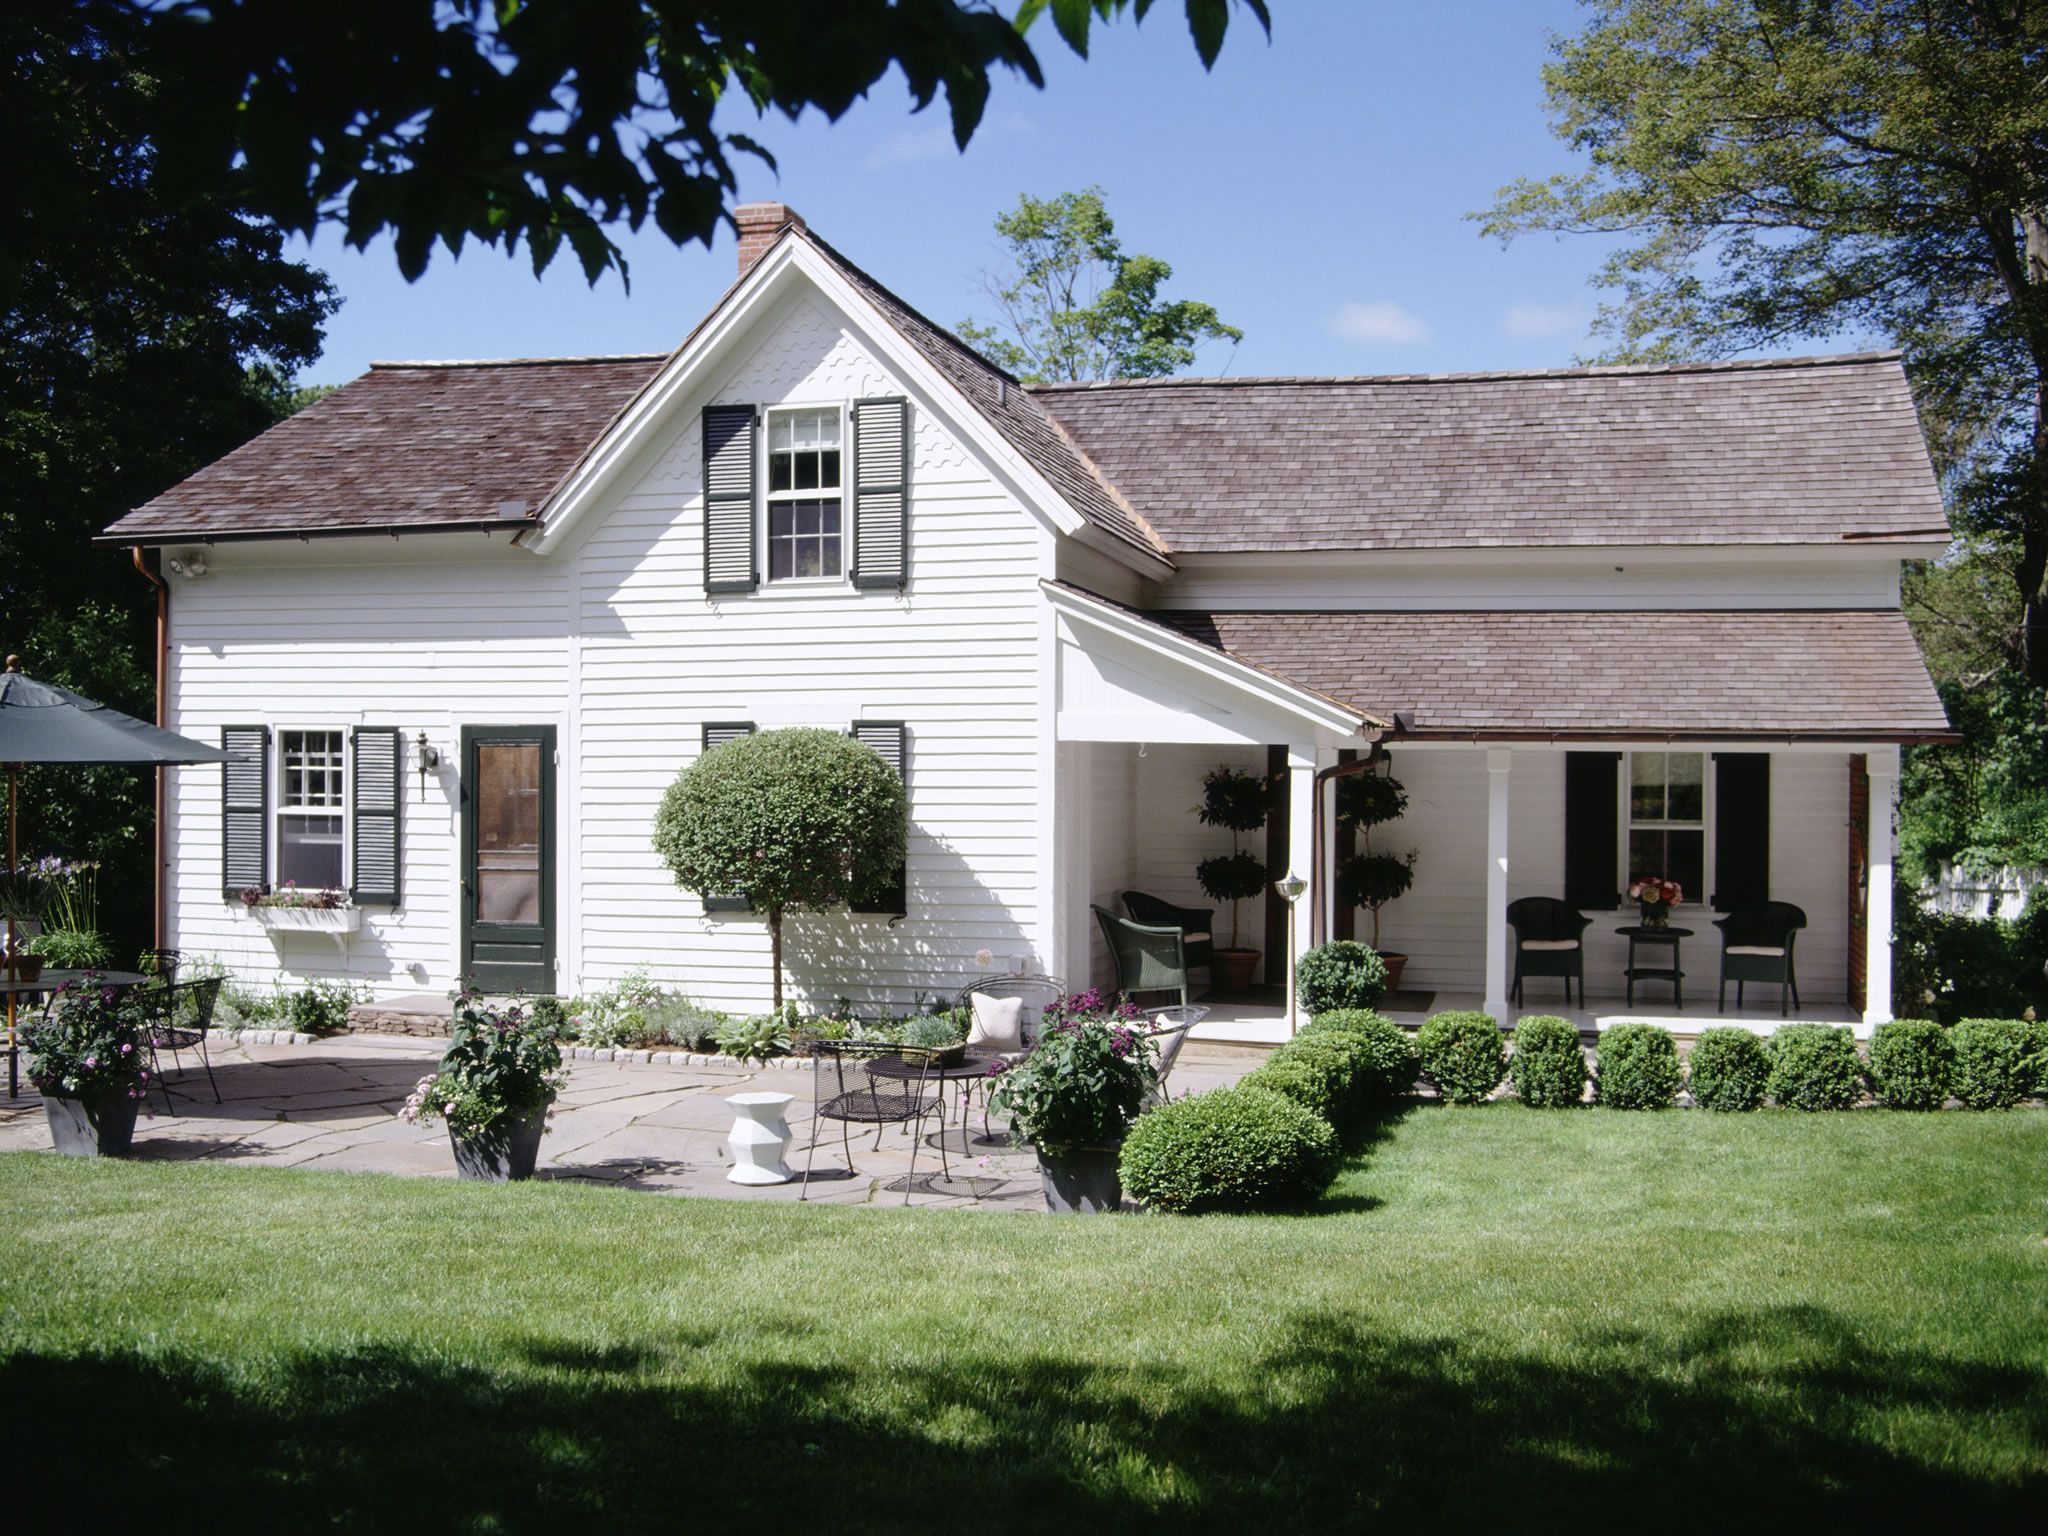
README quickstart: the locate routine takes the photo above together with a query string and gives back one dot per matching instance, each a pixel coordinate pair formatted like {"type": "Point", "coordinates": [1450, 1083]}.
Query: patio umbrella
{"type": "Point", "coordinates": [40, 723]}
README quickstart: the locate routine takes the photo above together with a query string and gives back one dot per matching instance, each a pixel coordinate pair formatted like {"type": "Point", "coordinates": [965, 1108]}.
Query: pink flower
{"type": "Point", "coordinates": [126, 1049]}
{"type": "Point", "coordinates": [92, 1061]}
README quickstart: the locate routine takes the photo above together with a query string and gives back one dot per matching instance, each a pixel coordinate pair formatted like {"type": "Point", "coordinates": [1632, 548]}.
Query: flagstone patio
{"type": "Point", "coordinates": [334, 1105]}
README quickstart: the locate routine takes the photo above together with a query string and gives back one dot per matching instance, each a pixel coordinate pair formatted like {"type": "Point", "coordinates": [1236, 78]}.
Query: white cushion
{"type": "Point", "coordinates": [998, 1021]}
{"type": "Point", "coordinates": [1550, 943]}
{"type": "Point", "coordinates": [1755, 949]}
{"type": "Point", "coordinates": [1194, 938]}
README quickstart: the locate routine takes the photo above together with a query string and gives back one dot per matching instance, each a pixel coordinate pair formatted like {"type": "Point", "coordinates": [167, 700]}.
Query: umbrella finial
{"type": "Point", "coordinates": [14, 663]}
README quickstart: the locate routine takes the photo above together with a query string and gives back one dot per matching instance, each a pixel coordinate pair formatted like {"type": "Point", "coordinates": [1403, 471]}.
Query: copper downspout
{"type": "Point", "coordinates": [1318, 919]}
{"type": "Point", "coordinates": [163, 652]}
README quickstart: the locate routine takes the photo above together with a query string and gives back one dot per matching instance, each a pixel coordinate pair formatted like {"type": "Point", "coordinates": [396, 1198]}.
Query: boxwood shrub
{"type": "Point", "coordinates": [1315, 1071]}
{"type": "Point", "coordinates": [1390, 1065]}
{"type": "Point", "coordinates": [1462, 1054]}
{"type": "Point", "coordinates": [1234, 1149]}
{"type": "Point", "coordinates": [1729, 1069]}
{"type": "Point", "coordinates": [1340, 974]}
{"type": "Point", "coordinates": [1912, 1063]}
{"type": "Point", "coordinates": [1815, 1066]}
{"type": "Point", "coordinates": [1638, 1067]}
{"type": "Point", "coordinates": [1996, 1061]}
{"type": "Point", "coordinates": [1548, 1067]}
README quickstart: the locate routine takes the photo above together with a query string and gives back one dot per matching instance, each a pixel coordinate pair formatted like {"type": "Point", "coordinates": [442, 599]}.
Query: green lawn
{"type": "Point", "coordinates": [1567, 1320]}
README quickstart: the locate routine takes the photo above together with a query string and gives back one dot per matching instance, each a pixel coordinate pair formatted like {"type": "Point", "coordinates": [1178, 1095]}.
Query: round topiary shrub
{"type": "Point", "coordinates": [1319, 1081]}
{"type": "Point", "coordinates": [1912, 1064]}
{"type": "Point", "coordinates": [1340, 974]}
{"type": "Point", "coordinates": [1995, 1064]}
{"type": "Point", "coordinates": [1638, 1067]}
{"type": "Point", "coordinates": [1815, 1066]}
{"type": "Point", "coordinates": [1390, 1061]}
{"type": "Point", "coordinates": [1548, 1068]}
{"type": "Point", "coordinates": [1729, 1069]}
{"type": "Point", "coordinates": [1462, 1054]}
{"type": "Point", "coordinates": [1236, 1149]}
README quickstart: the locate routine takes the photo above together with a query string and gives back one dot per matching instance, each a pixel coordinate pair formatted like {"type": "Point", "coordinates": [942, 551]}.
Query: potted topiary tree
{"type": "Point", "coordinates": [1367, 878]}
{"type": "Point", "coordinates": [794, 820]}
{"type": "Point", "coordinates": [1238, 802]}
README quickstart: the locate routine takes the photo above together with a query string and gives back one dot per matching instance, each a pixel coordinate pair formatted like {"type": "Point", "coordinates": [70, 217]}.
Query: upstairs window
{"type": "Point", "coordinates": [311, 803]}
{"type": "Point", "coordinates": [806, 510]}
{"type": "Point", "coordinates": [1667, 819]}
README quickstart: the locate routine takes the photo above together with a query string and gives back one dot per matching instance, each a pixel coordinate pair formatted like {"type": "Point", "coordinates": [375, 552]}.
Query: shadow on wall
{"type": "Point", "coordinates": [1344, 1420]}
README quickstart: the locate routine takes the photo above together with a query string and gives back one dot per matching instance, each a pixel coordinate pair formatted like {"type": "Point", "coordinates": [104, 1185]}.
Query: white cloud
{"type": "Point", "coordinates": [911, 145]}
{"type": "Point", "coordinates": [1380, 323]}
{"type": "Point", "coordinates": [1547, 319]}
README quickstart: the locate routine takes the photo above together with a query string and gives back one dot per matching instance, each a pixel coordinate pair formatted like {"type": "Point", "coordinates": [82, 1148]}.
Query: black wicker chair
{"type": "Point", "coordinates": [868, 1082]}
{"type": "Point", "coordinates": [1197, 925]}
{"type": "Point", "coordinates": [180, 1020]}
{"type": "Point", "coordinates": [1756, 945]}
{"type": "Point", "coordinates": [1550, 940]}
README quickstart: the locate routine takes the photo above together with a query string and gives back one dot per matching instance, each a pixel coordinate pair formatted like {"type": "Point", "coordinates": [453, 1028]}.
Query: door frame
{"type": "Point", "coordinates": [474, 736]}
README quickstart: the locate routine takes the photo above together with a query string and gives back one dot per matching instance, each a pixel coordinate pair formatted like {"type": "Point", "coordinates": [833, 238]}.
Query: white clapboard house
{"type": "Point", "coordinates": [462, 623]}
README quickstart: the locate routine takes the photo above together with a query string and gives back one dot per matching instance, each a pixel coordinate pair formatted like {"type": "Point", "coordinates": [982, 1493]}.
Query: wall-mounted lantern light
{"type": "Point", "coordinates": [430, 759]}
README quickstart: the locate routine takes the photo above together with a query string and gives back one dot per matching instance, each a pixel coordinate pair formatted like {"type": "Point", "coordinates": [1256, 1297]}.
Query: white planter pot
{"type": "Point", "coordinates": [336, 923]}
{"type": "Point", "coordinates": [759, 1137]}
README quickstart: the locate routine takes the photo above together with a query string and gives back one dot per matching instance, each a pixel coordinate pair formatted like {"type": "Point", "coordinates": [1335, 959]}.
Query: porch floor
{"type": "Point", "coordinates": [1263, 1022]}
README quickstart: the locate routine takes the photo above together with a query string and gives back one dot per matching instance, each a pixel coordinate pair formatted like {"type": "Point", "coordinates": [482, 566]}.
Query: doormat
{"type": "Point", "coordinates": [1408, 1000]}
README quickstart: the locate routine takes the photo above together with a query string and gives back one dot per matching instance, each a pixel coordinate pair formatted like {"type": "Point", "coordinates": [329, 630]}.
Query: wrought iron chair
{"type": "Point", "coordinates": [1167, 1037]}
{"type": "Point", "coordinates": [1038, 993]}
{"type": "Point", "coordinates": [847, 1086]}
{"type": "Point", "coordinates": [1148, 958]}
{"type": "Point", "coordinates": [1756, 945]}
{"type": "Point", "coordinates": [161, 965]}
{"type": "Point", "coordinates": [1550, 940]}
{"type": "Point", "coordinates": [1197, 924]}
{"type": "Point", "coordinates": [180, 1020]}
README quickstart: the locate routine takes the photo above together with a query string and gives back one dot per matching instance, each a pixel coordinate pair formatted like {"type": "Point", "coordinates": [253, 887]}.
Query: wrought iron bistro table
{"type": "Point", "coordinates": [1641, 933]}
{"type": "Point", "coordinates": [49, 981]}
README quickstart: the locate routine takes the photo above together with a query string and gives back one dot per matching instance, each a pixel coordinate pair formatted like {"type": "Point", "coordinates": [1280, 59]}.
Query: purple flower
{"type": "Point", "coordinates": [92, 1061]}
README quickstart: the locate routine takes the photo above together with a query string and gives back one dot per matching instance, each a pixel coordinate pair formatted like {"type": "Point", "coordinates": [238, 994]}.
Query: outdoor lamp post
{"type": "Point", "coordinates": [1290, 886]}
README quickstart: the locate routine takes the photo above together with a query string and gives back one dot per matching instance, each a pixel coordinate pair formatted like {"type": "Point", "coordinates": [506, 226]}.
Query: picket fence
{"type": "Point", "coordinates": [1982, 892]}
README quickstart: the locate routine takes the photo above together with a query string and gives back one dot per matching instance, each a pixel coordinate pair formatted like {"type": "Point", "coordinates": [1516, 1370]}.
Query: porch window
{"type": "Point", "coordinates": [310, 807]}
{"type": "Point", "coordinates": [1667, 819]}
{"type": "Point", "coordinates": [805, 509]}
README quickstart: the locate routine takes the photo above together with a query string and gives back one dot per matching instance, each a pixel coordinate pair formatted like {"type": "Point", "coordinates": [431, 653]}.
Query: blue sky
{"type": "Point", "coordinates": [1314, 189]}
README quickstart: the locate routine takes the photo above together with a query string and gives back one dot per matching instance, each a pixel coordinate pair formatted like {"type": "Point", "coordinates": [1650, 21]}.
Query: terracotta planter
{"type": "Point", "coordinates": [1234, 968]}
{"type": "Point", "coordinates": [1395, 965]}
{"type": "Point", "coordinates": [102, 1126]}
{"type": "Point", "coordinates": [1080, 1180]}
{"type": "Point", "coordinates": [507, 1151]}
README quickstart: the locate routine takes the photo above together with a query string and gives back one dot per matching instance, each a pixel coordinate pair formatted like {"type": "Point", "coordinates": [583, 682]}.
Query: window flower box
{"type": "Point", "coordinates": [336, 923]}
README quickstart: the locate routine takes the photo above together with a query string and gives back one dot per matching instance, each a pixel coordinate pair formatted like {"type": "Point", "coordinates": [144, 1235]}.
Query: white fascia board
{"type": "Point", "coordinates": [790, 259]}
{"type": "Point", "coordinates": [1266, 688]}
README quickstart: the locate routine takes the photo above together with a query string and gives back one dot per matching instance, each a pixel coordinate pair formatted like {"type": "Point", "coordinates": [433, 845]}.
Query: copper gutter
{"type": "Point", "coordinates": [1319, 919]}
{"type": "Point", "coordinates": [163, 652]}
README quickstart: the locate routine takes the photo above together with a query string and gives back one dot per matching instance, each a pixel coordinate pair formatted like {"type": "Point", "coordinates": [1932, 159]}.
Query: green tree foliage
{"type": "Point", "coordinates": [1073, 306]}
{"type": "Point", "coordinates": [544, 121]}
{"type": "Point", "coordinates": [1823, 169]}
{"type": "Point", "coordinates": [145, 329]}
{"type": "Point", "coordinates": [795, 820]}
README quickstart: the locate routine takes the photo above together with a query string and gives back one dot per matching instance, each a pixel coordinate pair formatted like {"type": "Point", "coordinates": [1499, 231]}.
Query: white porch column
{"type": "Point", "coordinates": [1883, 764]}
{"type": "Point", "coordinates": [1498, 761]}
{"type": "Point", "coordinates": [1301, 842]}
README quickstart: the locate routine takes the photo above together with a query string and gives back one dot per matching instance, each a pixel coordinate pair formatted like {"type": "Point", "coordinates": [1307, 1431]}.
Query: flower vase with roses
{"type": "Point", "coordinates": [1657, 896]}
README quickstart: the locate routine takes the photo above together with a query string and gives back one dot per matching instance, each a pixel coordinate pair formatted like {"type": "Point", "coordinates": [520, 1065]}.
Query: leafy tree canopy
{"type": "Point", "coordinates": [1832, 168]}
{"type": "Point", "coordinates": [1074, 307]}
{"type": "Point", "coordinates": [547, 120]}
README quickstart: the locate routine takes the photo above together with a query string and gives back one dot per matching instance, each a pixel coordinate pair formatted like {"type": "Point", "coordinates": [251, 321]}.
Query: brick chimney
{"type": "Point", "coordinates": [759, 224]}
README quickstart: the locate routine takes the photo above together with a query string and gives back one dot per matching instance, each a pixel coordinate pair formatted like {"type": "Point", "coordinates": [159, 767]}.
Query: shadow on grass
{"type": "Point", "coordinates": [1776, 1414]}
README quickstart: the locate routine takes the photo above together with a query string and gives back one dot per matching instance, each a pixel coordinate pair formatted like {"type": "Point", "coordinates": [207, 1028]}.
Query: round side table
{"type": "Point", "coordinates": [759, 1137]}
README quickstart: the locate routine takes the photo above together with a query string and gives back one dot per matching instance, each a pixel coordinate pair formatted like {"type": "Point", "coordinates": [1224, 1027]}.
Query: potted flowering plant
{"type": "Point", "coordinates": [89, 1060]}
{"type": "Point", "coordinates": [495, 1087]}
{"type": "Point", "coordinates": [1657, 897]}
{"type": "Point", "coordinates": [1076, 1095]}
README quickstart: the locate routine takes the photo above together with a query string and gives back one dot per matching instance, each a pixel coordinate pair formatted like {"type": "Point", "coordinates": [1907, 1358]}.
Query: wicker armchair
{"type": "Point", "coordinates": [1756, 945]}
{"type": "Point", "coordinates": [1197, 925]}
{"type": "Point", "coordinates": [1148, 958]}
{"type": "Point", "coordinates": [1550, 940]}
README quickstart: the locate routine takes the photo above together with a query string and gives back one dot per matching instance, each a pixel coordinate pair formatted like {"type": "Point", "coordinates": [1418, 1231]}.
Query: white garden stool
{"type": "Point", "coordinates": [759, 1137]}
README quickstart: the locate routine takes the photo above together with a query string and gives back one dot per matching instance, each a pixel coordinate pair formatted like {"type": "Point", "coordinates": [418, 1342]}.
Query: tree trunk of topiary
{"type": "Point", "coordinates": [775, 954]}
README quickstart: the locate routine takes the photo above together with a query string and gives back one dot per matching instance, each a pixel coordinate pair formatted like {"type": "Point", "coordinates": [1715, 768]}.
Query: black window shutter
{"type": "Point", "coordinates": [881, 494]}
{"type": "Point", "coordinates": [1742, 829]}
{"type": "Point", "coordinates": [890, 738]}
{"type": "Point", "coordinates": [1592, 820]}
{"type": "Point", "coordinates": [730, 563]}
{"type": "Point", "coordinates": [244, 809]}
{"type": "Point", "coordinates": [376, 760]}
{"type": "Point", "coordinates": [716, 733]}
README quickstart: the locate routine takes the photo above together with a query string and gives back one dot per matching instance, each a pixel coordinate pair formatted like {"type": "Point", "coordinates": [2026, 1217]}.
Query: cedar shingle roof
{"type": "Point", "coordinates": [1790, 451]}
{"type": "Point", "coordinates": [1850, 673]}
{"type": "Point", "coordinates": [407, 445]}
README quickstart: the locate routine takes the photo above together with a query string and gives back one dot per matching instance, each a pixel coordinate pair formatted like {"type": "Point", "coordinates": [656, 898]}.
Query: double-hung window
{"type": "Point", "coordinates": [311, 805]}
{"type": "Point", "coordinates": [806, 508]}
{"type": "Point", "coordinates": [1667, 819]}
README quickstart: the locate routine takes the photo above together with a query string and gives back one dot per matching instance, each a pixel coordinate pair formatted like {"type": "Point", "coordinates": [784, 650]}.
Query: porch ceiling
{"type": "Point", "coordinates": [1838, 674]}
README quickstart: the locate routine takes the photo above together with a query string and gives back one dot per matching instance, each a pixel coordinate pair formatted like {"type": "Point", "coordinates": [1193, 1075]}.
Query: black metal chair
{"type": "Point", "coordinates": [1038, 994]}
{"type": "Point", "coordinates": [180, 1019]}
{"type": "Point", "coordinates": [160, 965]}
{"type": "Point", "coordinates": [869, 1082]}
{"type": "Point", "coordinates": [1197, 925]}
{"type": "Point", "coordinates": [1550, 940]}
{"type": "Point", "coordinates": [1756, 945]}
